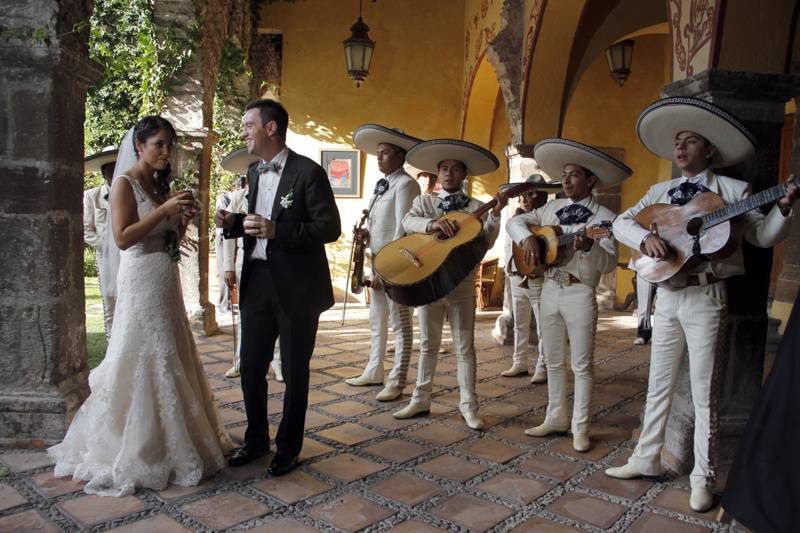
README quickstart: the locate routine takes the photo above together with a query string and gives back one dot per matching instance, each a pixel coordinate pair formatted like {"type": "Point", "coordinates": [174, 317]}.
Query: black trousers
{"type": "Point", "coordinates": [263, 320]}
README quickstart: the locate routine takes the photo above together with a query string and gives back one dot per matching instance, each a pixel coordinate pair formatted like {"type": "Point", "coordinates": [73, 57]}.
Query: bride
{"type": "Point", "coordinates": [150, 419]}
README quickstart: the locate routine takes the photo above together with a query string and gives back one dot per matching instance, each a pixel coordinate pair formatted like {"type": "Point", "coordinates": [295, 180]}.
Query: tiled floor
{"type": "Point", "coordinates": [361, 468]}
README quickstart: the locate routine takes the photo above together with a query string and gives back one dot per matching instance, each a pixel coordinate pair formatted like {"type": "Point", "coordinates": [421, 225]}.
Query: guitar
{"type": "Point", "coordinates": [423, 267]}
{"type": "Point", "coordinates": [552, 244]}
{"type": "Point", "coordinates": [698, 231]}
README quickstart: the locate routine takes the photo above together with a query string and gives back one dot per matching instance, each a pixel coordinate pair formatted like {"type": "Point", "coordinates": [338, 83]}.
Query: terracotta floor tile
{"type": "Point", "coordinates": [490, 390]}
{"type": "Point", "coordinates": [318, 396]}
{"type": "Point", "coordinates": [451, 467]}
{"type": "Point", "coordinates": [492, 450]}
{"type": "Point", "coordinates": [52, 486]}
{"type": "Point", "coordinates": [225, 510]}
{"type": "Point", "coordinates": [312, 448]}
{"type": "Point", "coordinates": [283, 525]}
{"type": "Point", "coordinates": [541, 525]}
{"type": "Point", "coordinates": [588, 509]}
{"type": "Point", "coordinates": [413, 526]}
{"type": "Point", "coordinates": [217, 368]}
{"type": "Point", "coordinates": [9, 497]}
{"type": "Point", "coordinates": [632, 489]}
{"type": "Point", "coordinates": [275, 386]}
{"type": "Point", "coordinates": [397, 450]}
{"type": "Point", "coordinates": [597, 452]}
{"type": "Point", "coordinates": [449, 398]}
{"type": "Point", "coordinates": [550, 467]}
{"type": "Point", "coordinates": [343, 372]}
{"type": "Point", "coordinates": [20, 462]}
{"type": "Point", "coordinates": [502, 410]}
{"type": "Point", "coordinates": [471, 512]}
{"type": "Point", "coordinates": [516, 433]}
{"type": "Point", "coordinates": [292, 487]}
{"type": "Point", "coordinates": [349, 434]}
{"type": "Point", "coordinates": [348, 356]}
{"type": "Point", "coordinates": [160, 523]}
{"type": "Point", "coordinates": [347, 467]}
{"type": "Point", "coordinates": [216, 383]}
{"type": "Point", "coordinates": [248, 471]}
{"type": "Point", "coordinates": [653, 523]}
{"type": "Point", "coordinates": [323, 350]}
{"type": "Point", "coordinates": [229, 395]}
{"type": "Point", "coordinates": [315, 419]}
{"type": "Point", "coordinates": [317, 364]}
{"type": "Point", "coordinates": [232, 416]}
{"type": "Point", "coordinates": [515, 488]}
{"type": "Point", "coordinates": [529, 398]}
{"type": "Point", "coordinates": [438, 434]}
{"type": "Point", "coordinates": [678, 500]}
{"type": "Point", "coordinates": [386, 421]}
{"type": "Point", "coordinates": [26, 521]}
{"type": "Point", "coordinates": [350, 512]}
{"type": "Point", "coordinates": [174, 492]}
{"type": "Point", "coordinates": [274, 406]}
{"type": "Point", "coordinates": [93, 509]}
{"type": "Point", "coordinates": [321, 379]}
{"type": "Point", "coordinates": [406, 488]}
{"type": "Point", "coordinates": [348, 408]}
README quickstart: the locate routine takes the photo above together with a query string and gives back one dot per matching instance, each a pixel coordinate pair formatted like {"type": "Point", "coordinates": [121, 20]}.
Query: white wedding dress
{"type": "Point", "coordinates": [150, 419]}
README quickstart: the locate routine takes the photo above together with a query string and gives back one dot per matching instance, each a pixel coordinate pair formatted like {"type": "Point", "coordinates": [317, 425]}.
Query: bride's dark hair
{"type": "Point", "coordinates": [146, 128]}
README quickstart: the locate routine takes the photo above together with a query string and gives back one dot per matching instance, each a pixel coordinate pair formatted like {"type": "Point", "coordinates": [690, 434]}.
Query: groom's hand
{"type": "Point", "coordinates": [223, 219]}
{"type": "Point", "coordinates": [258, 226]}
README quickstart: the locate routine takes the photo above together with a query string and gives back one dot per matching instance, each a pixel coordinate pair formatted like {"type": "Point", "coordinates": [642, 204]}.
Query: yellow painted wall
{"type": "Point", "coordinates": [755, 36]}
{"type": "Point", "coordinates": [415, 81]}
{"type": "Point", "coordinates": [603, 114]}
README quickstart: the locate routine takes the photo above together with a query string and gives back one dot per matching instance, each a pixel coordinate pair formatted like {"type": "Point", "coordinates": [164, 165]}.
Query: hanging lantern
{"type": "Point", "coordinates": [619, 57]}
{"type": "Point", "coordinates": [358, 50]}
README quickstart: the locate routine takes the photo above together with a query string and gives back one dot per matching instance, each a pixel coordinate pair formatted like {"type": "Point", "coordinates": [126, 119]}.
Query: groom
{"type": "Point", "coordinates": [285, 281]}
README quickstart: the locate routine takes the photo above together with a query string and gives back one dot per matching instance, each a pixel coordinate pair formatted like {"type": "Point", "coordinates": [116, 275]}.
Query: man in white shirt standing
{"type": "Point", "coordinates": [95, 214]}
{"type": "Point", "coordinates": [692, 306]}
{"type": "Point", "coordinates": [390, 202]}
{"type": "Point", "coordinates": [568, 300]}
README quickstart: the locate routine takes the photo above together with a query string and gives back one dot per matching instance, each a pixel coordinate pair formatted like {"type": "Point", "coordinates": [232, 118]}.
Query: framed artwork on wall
{"type": "Point", "coordinates": [343, 167]}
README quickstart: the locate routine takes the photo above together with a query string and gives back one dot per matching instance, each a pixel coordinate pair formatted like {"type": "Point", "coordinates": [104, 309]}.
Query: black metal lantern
{"type": "Point", "coordinates": [358, 50]}
{"type": "Point", "coordinates": [619, 57]}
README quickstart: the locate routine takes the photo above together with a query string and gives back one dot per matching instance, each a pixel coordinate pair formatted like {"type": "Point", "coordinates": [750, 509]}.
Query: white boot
{"type": "Point", "coordinates": [515, 370]}
{"type": "Point", "coordinates": [581, 442]}
{"type": "Point", "coordinates": [543, 430]}
{"type": "Point", "coordinates": [362, 381]}
{"type": "Point", "coordinates": [232, 372]}
{"type": "Point", "coordinates": [276, 367]}
{"type": "Point", "coordinates": [473, 420]}
{"type": "Point", "coordinates": [540, 376]}
{"type": "Point", "coordinates": [701, 499]}
{"type": "Point", "coordinates": [411, 410]}
{"type": "Point", "coordinates": [627, 471]}
{"type": "Point", "coordinates": [389, 393]}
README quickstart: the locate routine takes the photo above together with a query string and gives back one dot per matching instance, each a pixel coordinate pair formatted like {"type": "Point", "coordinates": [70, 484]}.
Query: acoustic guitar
{"type": "Point", "coordinates": [552, 244]}
{"type": "Point", "coordinates": [695, 232]}
{"type": "Point", "coordinates": [423, 267]}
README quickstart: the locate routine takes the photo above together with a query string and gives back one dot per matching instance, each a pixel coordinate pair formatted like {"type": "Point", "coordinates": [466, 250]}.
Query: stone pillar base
{"type": "Point", "coordinates": [204, 318]}
{"type": "Point", "coordinates": [32, 419]}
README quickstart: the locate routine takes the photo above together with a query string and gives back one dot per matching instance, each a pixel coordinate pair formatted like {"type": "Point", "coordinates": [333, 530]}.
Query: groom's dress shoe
{"type": "Point", "coordinates": [282, 464]}
{"type": "Point", "coordinates": [247, 454]}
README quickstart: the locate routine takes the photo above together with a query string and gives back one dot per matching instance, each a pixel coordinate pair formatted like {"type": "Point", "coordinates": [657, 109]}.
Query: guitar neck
{"type": "Point", "coordinates": [718, 216]}
{"type": "Point", "coordinates": [482, 210]}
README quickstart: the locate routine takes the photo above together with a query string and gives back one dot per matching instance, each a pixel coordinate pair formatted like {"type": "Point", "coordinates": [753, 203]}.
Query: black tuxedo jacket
{"type": "Point", "coordinates": [296, 256]}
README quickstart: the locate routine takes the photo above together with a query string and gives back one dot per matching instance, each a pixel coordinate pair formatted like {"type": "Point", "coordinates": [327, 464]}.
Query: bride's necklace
{"type": "Point", "coordinates": [151, 190]}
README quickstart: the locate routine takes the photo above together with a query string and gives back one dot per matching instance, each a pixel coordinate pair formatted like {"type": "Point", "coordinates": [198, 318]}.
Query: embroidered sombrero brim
{"type": "Point", "coordinates": [539, 184]}
{"type": "Point", "coordinates": [427, 156]}
{"type": "Point", "coordinates": [662, 121]}
{"type": "Point", "coordinates": [552, 154]}
{"type": "Point", "coordinates": [238, 161]}
{"type": "Point", "coordinates": [369, 136]}
{"type": "Point", "coordinates": [95, 162]}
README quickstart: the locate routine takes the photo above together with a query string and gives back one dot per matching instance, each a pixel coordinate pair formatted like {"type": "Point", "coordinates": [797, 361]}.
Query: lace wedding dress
{"type": "Point", "coordinates": [150, 419]}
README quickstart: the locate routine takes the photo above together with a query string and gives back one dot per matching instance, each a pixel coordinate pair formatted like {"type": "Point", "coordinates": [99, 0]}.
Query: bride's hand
{"type": "Point", "coordinates": [178, 204]}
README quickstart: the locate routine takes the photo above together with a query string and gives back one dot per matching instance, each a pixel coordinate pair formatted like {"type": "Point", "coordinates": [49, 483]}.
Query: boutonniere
{"type": "Point", "coordinates": [287, 200]}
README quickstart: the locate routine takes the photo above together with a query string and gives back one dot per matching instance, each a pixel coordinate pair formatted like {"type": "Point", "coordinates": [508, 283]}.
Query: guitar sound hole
{"type": "Point", "coordinates": [695, 226]}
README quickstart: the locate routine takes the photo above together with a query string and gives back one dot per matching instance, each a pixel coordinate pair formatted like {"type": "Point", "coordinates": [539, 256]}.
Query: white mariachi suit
{"type": "Point", "coordinates": [459, 306]}
{"type": "Point", "coordinates": [571, 307]}
{"type": "Point", "coordinates": [384, 224]}
{"type": "Point", "coordinates": [693, 317]}
{"type": "Point", "coordinates": [238, 204]}
{"type": "Point", "coordinates": [525, 298]}
{"type": "Point", "coordinates": [95, 228]}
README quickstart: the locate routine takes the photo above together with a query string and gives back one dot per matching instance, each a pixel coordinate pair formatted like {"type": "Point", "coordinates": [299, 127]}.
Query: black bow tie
{"type": "Point", "coordinates": [683, 193]}
{"type": "Point", "coordinates": [573, 214]}
{"type": "Point", "coordinates": [454, 202]}
{"type": "Point", "coordinates": [381, 187]}
{"type": "Point", "coordinates": [269, 166]}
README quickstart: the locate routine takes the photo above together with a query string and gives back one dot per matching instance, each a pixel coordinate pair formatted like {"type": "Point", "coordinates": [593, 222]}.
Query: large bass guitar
{"type": "Point", "coordinates": [552, 244]}
{"type": "Point", "coordinates": [698, 231]}
{"type": "Point", "coordinates": [423, 267]}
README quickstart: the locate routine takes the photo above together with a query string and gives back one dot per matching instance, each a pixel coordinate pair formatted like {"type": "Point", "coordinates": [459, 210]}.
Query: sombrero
{"type": "Point", "coordinates": [540, 184]}
{"type": "Point", "coordinates": [238, 161]}
{"type": "Point", "coordinates": [428, 154]}
{"type": "Point", "coordinates": [663, 120]}
{"type": "Point", "coordinates": [97, 161]}
{"type": "Point", "coordinates": [369, 136]}
{"type": "Point", "coordinates": [414, 172]}
{"type": "Point", "coordinates": [552, 154]}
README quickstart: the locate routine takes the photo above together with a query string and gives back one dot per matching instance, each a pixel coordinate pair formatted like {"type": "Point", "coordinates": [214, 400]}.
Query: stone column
{"type": "Point", "coordinates": [46, 71]}
{"type": "Point", "coordinates": [757, 100]}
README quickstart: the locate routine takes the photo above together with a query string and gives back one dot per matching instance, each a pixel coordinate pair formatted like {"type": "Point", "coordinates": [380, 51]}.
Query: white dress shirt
{"type": "Point", "coordinates": [267, 188]}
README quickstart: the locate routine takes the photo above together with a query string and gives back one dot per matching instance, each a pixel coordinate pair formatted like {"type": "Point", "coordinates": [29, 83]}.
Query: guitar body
{"type": "Point", "coordinates": [421, 268]}
{"type": "Point", "coordinates": [549, 250]}
{"type": "Point", "coordinates": [672, 223]}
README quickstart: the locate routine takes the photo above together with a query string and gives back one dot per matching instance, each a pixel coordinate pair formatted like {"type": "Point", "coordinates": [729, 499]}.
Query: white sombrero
{"type": "Point", "coordinates": [540, 184]}
{"type": "Point", "coordinates": [97, 161]}
{"type": "Point", "coordinates": [552, 154]}
{"type": "Point", "coordinates": [662, 121]}
{"type": "Point", "coordinates": [369, 136]}
{"type": "Point", "coordinates": [414, 172]}
{"type": "Point", "coordinates": [238, 161]}
{"type": "Point", "coordinates": [428, 154]}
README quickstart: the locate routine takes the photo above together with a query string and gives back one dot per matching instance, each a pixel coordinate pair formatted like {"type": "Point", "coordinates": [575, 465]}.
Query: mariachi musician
{"type": "Point", "coordinates": [389, 204]}
{"type": "Point", "coordinates": [568, 301]}
{"type": "Point", "coordinates": [452, 160]}
{"type": "Point", "coordinates": [691, 312]}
